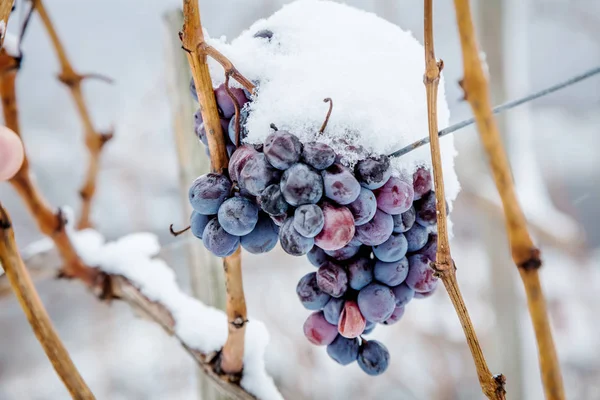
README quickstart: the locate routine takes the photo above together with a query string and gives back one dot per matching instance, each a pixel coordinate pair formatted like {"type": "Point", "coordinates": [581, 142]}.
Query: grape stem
{"type": "Point", "coordinates": [492, 387]}
{"type": "Point", "coordinates": [37, 316]}
{"type": "Point", "coordinates": [94, 139]}
{"type": "Point", "coordinates": [236, 106]}
{"type": "Point", "coordinates": [192, 37]}
{"type": "Point", "coordinates": [177, 233]}
{"type": "Point", "coordinates": [525, 255]}
{"type": "Point", "coordinates": [330, 101]}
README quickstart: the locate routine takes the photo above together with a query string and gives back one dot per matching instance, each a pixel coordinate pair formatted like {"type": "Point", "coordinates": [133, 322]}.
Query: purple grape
{"type": "Point", "coordinates": [263, 237]}
{"type": "Point", "coordinates": [369, 327]}
{"type": "Point", "coordinates": [364, 207]}
{"type": "Point", "coordinates": [340, 184]}
{"type": "Point", "coordinates": [318, 331]}
{"type": "Point", "coordinates": [343, 351]}
{"type": "Point", "coordinates": [345, 253]}
{"type": "Point", "coordinates": [279, 219]}
{"type": "Point", "coordinates": [421, 277]}
{"type": "Point", "coordinates": [293, 242]}
{"type": "Point", "coordinates": [282, 149]}
{"type": "Point", "coordinates": [311, 297]}
{"type": "Point", "coordinates": [360, 272]}
{"type": "Point", "coordinates": [318, 155]}
{"type": "Point", "coordinates": [376, 302]}
{"type": "Point", "coordinates": [218, 241]}
{"type": "Point", "coordinates": [392, 249]}
{"type": "Point", "coordinates": [198, 222]}
{"type": "Point", "coordinates": [373, 357]}
{"type": "Point", "coordinates": [300, 185]}
{"type": "Point", "coordinates": [403, 294]}
{"type": "Point", "coordinates": [238, 160]}
{"type": "Point", "coordinates": [426, 210]}
{"type": "Point", "coordinates": [395, 197]}
{"type": "Point", "coordinates": [416, 238]}
{"type": "Point", "coordinates": [395, 317]}
{"type": "Point", "coordinates": [404, 221]}
{"type": "Point", "coordinates": [430, 249]}
{"type": "Point", "coordinates": [333, 310]}
{"type": "Point", "coordinates": [201, 131]}
{"type": "Point", "coordinates": [226, 107]}
{"type": "Point", "coordinates": [238, 216]}
{"type": "Point", "coordinates": [354, 242]}
{"type": "Point", "coordinates": [425, 295]}
{"type": "Point", "coordinates": [264, 34]}
{"type": "Point", "coordinates": [332, 279]}
{"type": "Point", "coordinates": [257, 174]}
{"type": "Point", "coordinates": [199, 127]}
{"type": "Point", "coordinates": [373, 172]}
{"type": "Point", "coordinates": [352, 323]}
{"type": "Point", "coordinates": [316, 256]}
{"type": "Point", "coordinates": [309, 220]}
{"type": "Point", "coordinates": [243, 131]}
{"type": "Point", "coordinates": [208, 192]}
{"type": "Point", "coordinates": [377, 230]}
{"type": "Point", "coordinates": [422, 182]}
{"type": "Point", "coordinates": [391, 273]}
{"type": "Point", "coordinates": [338, 229]}
{"type": "Point", "coordinates": [272, 202]}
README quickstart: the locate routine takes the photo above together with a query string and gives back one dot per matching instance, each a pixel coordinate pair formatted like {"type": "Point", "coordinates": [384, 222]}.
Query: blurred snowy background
{"type": "Point", "coordinates": [529, 44]}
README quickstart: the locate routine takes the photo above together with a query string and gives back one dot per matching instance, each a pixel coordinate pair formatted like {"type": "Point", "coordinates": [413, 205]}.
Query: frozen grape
{"type": "Point", "coordinates": [238, 160]}
{"type": "Point", "coordinates": [309, 220]}
{"type": "Point", "coordinates": [293, 242]}
{"type": "Point", "coordinates": [425, 295]}
{"type": "Point", "coordinates": [391, 273]}
{"type": "Point", "coordinates": [369, 327]}
{"type": "Point", "coordinates": [404, 221]}
{"type": "Point", "coordinates": [199, 127]}
{"type": "Point", "coordinates": [352, 323]}
{"type": "Point", "coordinates": [198, 222]}
{"type": "Point", "coordinates": [395, 317]}
{"type": "Point", "coordinates": [316, 256]}
{"type": "Point", "coordinates": [340, 184]}
{"type": "Point", "coordinates": [263, 237]}
{"type": "Point", "coordinates": [345, 253]}
{"type": "Point", "coordinates": [430, 248]}
{"type": "Point", "coordinates": [282, 149]}
{"type": "Point", "coordinates": [311, 297]}
{"type": "Point", "coordinates": [422, 182]}
{"type": "Point", "coordinates": [343, 351]}
{"type": "Point", "coordinates": [360, 272]}
{"type": "Point", "coordinates": [416, 238]}
{"type": "Point", "coordinates": [332, 279]}
{"type": "Point", "coordinates": [318, 155]}
{"type": "Point", "coordinates": [208, 192]}
{"type": "Point", "coordinates": [333, 310]}
{"type": "Point", "coordinates": [338, 229]}
{"type": "Point", "coordinates": [225, 103]}
{"type": "Point", "coordinates": [393, 249]}
{"type": "Point", "coordinates": [376, 302]}
{"type": "Point", "coordinates": [395, 197]}
{"type": "Point", "coordinates": [403, 294]}
{"type": "Point", "coordinates": [373, 357]}
{"type": "Point", "coordinates": [238, 216]}
{"type": "Point", "coordinates": [426, 210]}
{"type": "Point", "coordinates": [421, 277]}
{"type": "Point", "coordinates": [272, 202]}
{"type": "Point", "coordinates": [201, 131]}
{"type": "Point", "coordinates": [243, 131]}
{"type": "Point", "coordinates": [218, 241]}
{"type": "Point", "coordinates": [377, 230]}
{"type": "Point", "coordinates": [364, 207]}
{"type": "Point", "coordinates": [300, 185]}
{"type": "Point", "coordinates": [257, 174]}
{"type": "Point", "coordinates": [264, 34]}
{"type": "Point", "coordinates": [373, 172]}
{"type": "Point", "coordinates": [318, 331]}
{"type": "Point", "coordinates": [279, 219]}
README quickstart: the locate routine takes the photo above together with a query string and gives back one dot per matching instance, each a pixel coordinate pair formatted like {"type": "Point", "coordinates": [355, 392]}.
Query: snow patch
{"type": "Point", "coordinates": [11, 44]}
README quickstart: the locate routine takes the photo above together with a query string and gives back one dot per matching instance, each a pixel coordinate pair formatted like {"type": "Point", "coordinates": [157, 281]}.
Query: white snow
{"type": "Point", "coordinates": [198, 326]}
{"type": "Point", "coordinates": [11, 44]}
{"type": "Point", "coordinates": [372, 69]}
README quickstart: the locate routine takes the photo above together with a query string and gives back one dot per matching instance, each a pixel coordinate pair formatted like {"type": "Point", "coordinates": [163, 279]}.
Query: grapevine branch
{"type": "Point", "coordinates": [231, 360]}
{"type": "Point", "coordinates": [525, 255]}
{"type": "Point", "coordinates": [36, 313]}
{"type": "Point", "coordinates": [5, 9]}
{"type": "Point", "coordinates": [492, 387]}
{"type": "Point", "coordinates": [94, 140]}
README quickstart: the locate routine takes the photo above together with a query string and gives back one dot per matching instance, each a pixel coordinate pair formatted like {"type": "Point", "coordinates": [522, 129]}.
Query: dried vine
{"type": "Point", "coordinates": [192, 37]}
{"type": "Point", "coordinates": [94, 139]}
{"type": "Point", "coordinates": [37, 316]}
{"type": "Point", "coordinates": [525, 255]}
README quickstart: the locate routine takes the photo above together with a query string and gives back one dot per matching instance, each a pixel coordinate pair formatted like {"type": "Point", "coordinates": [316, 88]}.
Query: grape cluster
{"type": "Point", "coordinates": [369, 233]}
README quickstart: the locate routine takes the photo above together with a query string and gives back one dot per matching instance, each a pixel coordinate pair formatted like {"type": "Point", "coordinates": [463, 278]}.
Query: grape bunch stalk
{"type": "Point", "coordinates": [370, 233]}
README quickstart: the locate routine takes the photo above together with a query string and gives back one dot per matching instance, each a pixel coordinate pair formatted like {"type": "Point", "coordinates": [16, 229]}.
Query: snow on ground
{"type": "Point", "coordinates": [372, 69]}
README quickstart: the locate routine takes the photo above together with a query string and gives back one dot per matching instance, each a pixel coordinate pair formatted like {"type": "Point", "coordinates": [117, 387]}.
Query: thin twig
{"type": "Point", "coordinates": [525, 255]}
{"type": "Point", "coordinates": [236, 106]}
{"type": "Point", "coordinates": [37, 316]}
{"type": "Point", "coordinates": [5, 9]}
{"type": "Point", "coordinates": [231, 361]}
{"type": "Point", "coordinates": [330, 101]}
{"type": "Point", "coordinates": [180, 232]}
{"type": "Point", "coordinates": [94, 140]}
{"type": "Point", "coordinates": [226, 64]}
{"type": "Point", "coordinates": [491, 386]}
{"type": "Point", "coordinates": [501, 108]}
